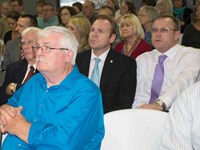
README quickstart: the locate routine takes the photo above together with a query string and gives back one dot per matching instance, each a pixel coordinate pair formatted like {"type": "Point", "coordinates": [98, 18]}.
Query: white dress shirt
{"type": "Point", "coordinates": [182, 68]}
{"type": "Point", "coordinates": [102, 57]}
{"type": "Point", "coordinates": [182, 129]}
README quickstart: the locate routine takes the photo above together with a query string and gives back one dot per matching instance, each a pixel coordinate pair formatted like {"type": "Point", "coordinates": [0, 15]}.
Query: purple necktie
{"type": "Point", "coordinates": [157, 79]}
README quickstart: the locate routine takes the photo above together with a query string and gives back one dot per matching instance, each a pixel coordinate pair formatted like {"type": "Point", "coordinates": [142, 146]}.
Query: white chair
{"type": "Point", "coordinates": [133, 129]}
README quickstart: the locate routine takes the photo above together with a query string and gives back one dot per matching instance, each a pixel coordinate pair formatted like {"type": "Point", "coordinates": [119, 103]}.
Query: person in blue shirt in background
{"type": "Point", "coordinates": [57, 109]}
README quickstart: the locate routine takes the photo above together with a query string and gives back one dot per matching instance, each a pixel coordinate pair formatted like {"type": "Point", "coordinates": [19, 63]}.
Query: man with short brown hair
{"type": "Point", "coordinates": [164, 73]}
{"type": "Point", "coordinates": [117, 72]}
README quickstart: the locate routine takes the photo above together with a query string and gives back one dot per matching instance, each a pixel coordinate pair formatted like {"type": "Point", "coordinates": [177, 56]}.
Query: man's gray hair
{"type": "Point", "coordinates": [67, 40]}
{"type": "Point", "coordinates": [31, 29]}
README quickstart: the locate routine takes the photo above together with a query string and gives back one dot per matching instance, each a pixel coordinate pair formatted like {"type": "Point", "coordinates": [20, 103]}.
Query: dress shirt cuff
{"type": "Point", "coordinates": [167, 100]}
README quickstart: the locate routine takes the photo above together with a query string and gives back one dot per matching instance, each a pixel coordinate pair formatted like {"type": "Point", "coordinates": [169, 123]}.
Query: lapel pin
{"type": "Point", "coordinates": [111, 61]}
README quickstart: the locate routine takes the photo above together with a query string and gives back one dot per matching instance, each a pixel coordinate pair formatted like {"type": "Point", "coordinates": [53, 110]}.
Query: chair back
{"type": "Point", "coordinates": [133, 129]}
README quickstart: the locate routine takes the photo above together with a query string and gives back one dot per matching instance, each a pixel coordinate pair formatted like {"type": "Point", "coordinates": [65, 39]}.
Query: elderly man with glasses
{"type": "Point", "coordinates": [169, 69]}
{"type": "Point", "coordinates": [58, 108]}
{"type": "Point", "coordinates": [18, 72]}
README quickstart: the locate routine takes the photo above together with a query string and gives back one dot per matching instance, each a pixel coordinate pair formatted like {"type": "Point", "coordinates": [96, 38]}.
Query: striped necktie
{"type": "Point", "coordinates": [30, 74]}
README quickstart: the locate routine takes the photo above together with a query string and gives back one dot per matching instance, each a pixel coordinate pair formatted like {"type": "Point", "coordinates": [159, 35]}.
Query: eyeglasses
{"type": "Point", "coordinates": [162, 30]}
{"type": "Point", "coordinates": [46, 49]}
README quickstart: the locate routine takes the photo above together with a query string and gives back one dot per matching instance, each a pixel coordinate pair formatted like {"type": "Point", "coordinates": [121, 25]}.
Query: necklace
{"type": "Point", "coordinates": [127, 51]}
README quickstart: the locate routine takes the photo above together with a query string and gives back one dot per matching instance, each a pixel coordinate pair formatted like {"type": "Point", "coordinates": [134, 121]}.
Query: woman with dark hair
{"type": "Point", "coordinates": [64, 14]}
{"type": "Point", "coordinates": [191, 33]}
{"type": "Point", "coordinates": [12, 22]}
{"type": "Point", "coordinates": [181, 12]}
{"type": "Point", "coordinates": [126, 7]}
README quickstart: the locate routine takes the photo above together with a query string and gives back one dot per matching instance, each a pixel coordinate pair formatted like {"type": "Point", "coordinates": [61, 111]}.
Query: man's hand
{"type": "Point", "coordinates": [11, 88]}
{"type": "Point", "coordinates": [18, 126]}
{"type": "Point", "coordinates": [6, 113]}
{"type": "Point", "coordinates": [153, 106]}
{"type": "Point", "coordinates": [13, 122]}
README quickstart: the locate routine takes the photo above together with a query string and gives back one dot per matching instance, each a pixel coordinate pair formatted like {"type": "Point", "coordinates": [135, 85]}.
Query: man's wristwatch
{"type": "Point", "coordinates": [161, 103]}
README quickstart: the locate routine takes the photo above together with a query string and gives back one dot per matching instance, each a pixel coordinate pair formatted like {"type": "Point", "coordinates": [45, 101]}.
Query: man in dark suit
{"type": "Point", "coordinates": [117, 79]}
{"type": "Point", "coordinates": [17, 72]}
{"type": "Point", "coordinates": [13, 50]}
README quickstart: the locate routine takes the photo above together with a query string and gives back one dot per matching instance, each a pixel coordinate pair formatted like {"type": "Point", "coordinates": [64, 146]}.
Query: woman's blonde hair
{"type": "Point", "coordinates": [168, 6]}
{"type": "Point", "coordinates": [83, 26]}
{"type": "Point", "coordinates": [133, 19]}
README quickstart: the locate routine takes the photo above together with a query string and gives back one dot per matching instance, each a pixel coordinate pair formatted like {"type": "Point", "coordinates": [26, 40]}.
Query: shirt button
{"type": "Point", "coordinates": [46, 90]}
{"type": "Point", "coordinates": [19, 145]}
{"type": "Point", "coordinates": [40, 105]}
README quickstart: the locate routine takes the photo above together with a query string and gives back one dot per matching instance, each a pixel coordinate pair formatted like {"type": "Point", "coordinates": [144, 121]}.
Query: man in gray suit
{"type": "Point", "coordinates": [13, 50]}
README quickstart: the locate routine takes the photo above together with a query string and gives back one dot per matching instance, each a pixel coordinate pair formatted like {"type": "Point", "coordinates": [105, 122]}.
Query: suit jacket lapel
{"type": "Point", "coordinates": [84, 63]}
{"type": "Point", "coordinates": [23, 69]}
{"type": "Point", "coordinates": [107, 68]}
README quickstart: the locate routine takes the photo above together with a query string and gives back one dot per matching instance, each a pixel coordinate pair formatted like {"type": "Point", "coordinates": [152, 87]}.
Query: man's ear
{"type": "Point", "coordinates": [69, 56]}
{"type": "Point", "coordinates": [112, 38]}
{"type": "Point", "coordinates": [177, 35]}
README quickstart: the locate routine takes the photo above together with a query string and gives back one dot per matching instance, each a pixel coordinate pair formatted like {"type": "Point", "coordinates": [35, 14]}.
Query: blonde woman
{"type": "Point", "coordinates": [165, 7]}
{"type": "Point", "coordinates": [80, 27]}
{"type": "Point", "coordinates": [132, 33]}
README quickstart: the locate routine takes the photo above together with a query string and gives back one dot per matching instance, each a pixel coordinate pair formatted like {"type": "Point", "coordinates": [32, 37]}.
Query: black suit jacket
{"type": "Point", "coordinates": [118, 79]}
{"type": "Point", "coordinates": [15, 72]}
